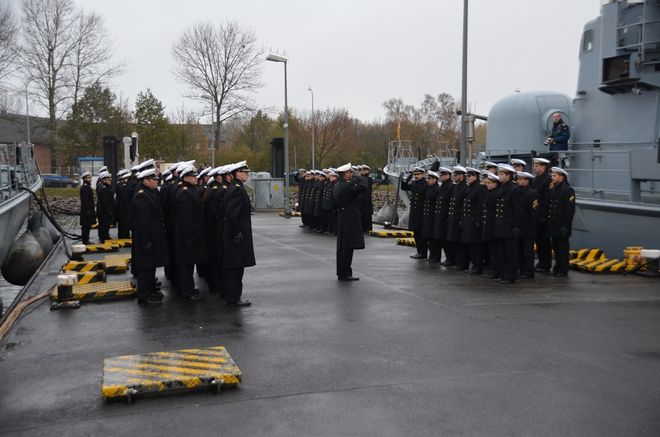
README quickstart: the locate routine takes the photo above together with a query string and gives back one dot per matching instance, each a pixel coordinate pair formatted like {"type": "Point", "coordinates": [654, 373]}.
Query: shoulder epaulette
{"type": "Point", "coordinates": [238, 185]}
{"type": "Point", "coordinates": [224, 186]}
{"type": "Point", "coordinates": [215, 187]}
{"type": "Point", "coordinates": [185, 188]}
{"type": "Point", "coordinates": [140, 191]}
{"type": "Point", "coordinates": [180, 183]}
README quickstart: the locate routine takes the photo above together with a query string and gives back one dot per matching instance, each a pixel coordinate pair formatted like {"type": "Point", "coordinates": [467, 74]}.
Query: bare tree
{"type": "Point", "coordinates": [222, 63]}
{"type": "Point", "coordinates": [332, 126]}
{"type": "Point", "coordinates": [7, 39]}
{"type": "Point", "coordinates": [63, 50]}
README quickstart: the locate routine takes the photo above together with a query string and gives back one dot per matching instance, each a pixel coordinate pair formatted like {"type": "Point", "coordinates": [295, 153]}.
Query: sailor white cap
{"type": "Point", "coordinates": [524, 174]}
{"type": "Point", "coordinates": [418, 169]}
{"type": "Point", "coordinates": [146, 164]}
{"type": "Point", "coordinates": [559, 170]}
{"type": "Point", "coordinates": [332, 173]}
{"type": "Point", "coordinates": [516, 161]}
{"type": "Point", "coordinates": [459, 169]}
{"type": "Point", "coordinates": [188, 170]}
{"type": "Point", "coordinates": [212, 171]}
{"type": "Point", "coordinates": [444, 170]}
{"type": "Point", "coordinates": [541, 161]}
{"type": "Point", "coordinates": [472, 170]}
{"type": "Point", "coordinates": [359, 167]}
{"type": "Point", "coordinates": [169, 177]}
{"type": "Point", "coordinates": [203, 172]}
{"type": "Point", "coordinates": [343, 168]}
{"type": "Point", "coordinates": [223, 169]}
{"type": "Point", "coordinates": [122, 173]}
{"type": "Point", "coordinates": [174, 166]}
{"type": "Point", "coordinates": [241, 166]}
{"type": "Point", "coordinates": [104, 174]}
{"type": "Point", "coordinates": [148, 173]}
{"type": "Point", "coordinates": [491, 176]}
{"type": "Point", "coordinates": [489, 164]}
{"type": "Point", "coordinates": [507, 168]}
{"type": "Point", "coordinates": [432, 174]}
{"type": "Point", "coordinates": [320, 173]}
{"type": "Point", "coordinates": [365, 166]}
{"type": "Point", "coordinates": [102, 169]}
{"type": "Point", "coordinates": [85, 174]}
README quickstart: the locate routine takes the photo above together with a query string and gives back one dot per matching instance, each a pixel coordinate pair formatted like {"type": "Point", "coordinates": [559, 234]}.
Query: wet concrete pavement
{"type": "Point", "coordinates": [410, 349]}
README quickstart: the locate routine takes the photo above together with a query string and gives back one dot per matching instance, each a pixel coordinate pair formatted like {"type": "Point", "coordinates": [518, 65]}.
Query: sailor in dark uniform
{"type": "Point", "coordinates": [238, 250]}
{"type": "Point", "coordinates": [559, 135]}
{"type": "Point", "coordinates": [456, 256]}
{"type": "Point", "coordinates": [349, 224]}
{"type": "Point", "coordinates": [299, 178]}
{"type": "Point", "coordinates": [223, 179]}
{"type": "Point", "coordinates": [490, 166]}
{"type": "Point", "coordinates": [105, 207]}
{"type": "Point", "coordinates": [438, 241]}
{"type": "Point", "coordinates": [328, 205]}
{"type": "Point", "coordinates": [103, 169]}
{"type": "Point", "coordinates": [561, 209]}
{"type": "Point", "coordinates": [149, 241]}
{"type": "Point", "coordinates": [87, 209]}
{"type": "Point", "coordinates": [366, 201]}
{"type": "Point", "coordinates": [488, 213]}
{"type": "Point", "coordinates": [165, 201]}
{"type": "Point", "coordinates": [416, 185]}
{"type": "Point", "coordinates": [208, 207]}
{"type": "Point", "coordinates": [529, 207]}
{"type": "Point", "coordinates": [428, 215]}
{"type": "Point", "coordinates": [541, 184]}
{"type": "Point", "coordinates": [507, 226]}
{"type": "Point", "coordinates": [189, 239]}
{"type": "Point", "coordinates": [518, 164]}
{"type": "Point", "coordinates": [123, 205]}
{"type": "Point", "coordinates": [471, 235]}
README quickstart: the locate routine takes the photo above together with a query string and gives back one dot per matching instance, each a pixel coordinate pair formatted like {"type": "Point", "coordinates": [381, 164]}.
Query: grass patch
{"type": "Point", "coordinates": [62, 192]}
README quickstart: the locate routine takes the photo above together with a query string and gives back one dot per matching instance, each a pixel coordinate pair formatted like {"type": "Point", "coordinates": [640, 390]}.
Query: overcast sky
{"type": "Point", "coordinates": [357, 54]}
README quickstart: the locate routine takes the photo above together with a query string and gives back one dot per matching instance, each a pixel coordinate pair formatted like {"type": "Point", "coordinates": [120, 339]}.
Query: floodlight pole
{"type": "Point", "coordinates": [463, 149]}
{"type": "Point", "coordinates": [313, 126]}
{"type": "Point", "coordinates": [284, 59]}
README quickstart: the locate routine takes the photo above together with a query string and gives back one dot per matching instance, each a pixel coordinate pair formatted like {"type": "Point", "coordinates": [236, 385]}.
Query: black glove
{"type": "Point", "coordinates": [563, 232]}
{"type": "Point", "coordinates": [516, 233]}
{"type": "Point", "coordinates": [238, 237]}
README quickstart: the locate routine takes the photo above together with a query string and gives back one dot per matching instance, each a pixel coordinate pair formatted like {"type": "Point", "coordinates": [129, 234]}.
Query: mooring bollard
{"type": "Point", "coordinates": [65, 285]}
{"type": "Point", "coordinates": [77, 251]}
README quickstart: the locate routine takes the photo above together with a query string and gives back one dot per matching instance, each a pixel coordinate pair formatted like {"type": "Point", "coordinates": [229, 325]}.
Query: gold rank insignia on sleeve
{"type": "Point", "coordinates": [215, 187]}
{"type": "Point", "coordinates": [140, 191]}
{"type": "Point", "coordinates": [535, 204]}
{"type": "Point", "coordinates": [572, 198]}
{"type": "Point", "coordinates": [185, 188]}
{"type": "Point", "coordinates": [238, 185]}
{"type": "Point", "coordinates": [224, 186]}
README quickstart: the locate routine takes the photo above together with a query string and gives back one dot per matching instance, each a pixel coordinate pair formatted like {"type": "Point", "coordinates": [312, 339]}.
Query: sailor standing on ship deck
{"type": "Point", "coordinates": [561, 209]}
{"type": "Point", "coordinates": [87, 210]}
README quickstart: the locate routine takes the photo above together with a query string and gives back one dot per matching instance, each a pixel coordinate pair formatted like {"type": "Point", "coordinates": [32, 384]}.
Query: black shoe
{"type": "Point", "coordinates": [560, 275]}
{"type": "Point", "coordinates": [526, 275]}
{"type": "Point", "coordinates": [490, 276]}
{"type": "Point", "coordinates": [475, 271]}
{"type": "Point", "coordinates": [158, 295]}
{"type": "Point", "coordinates": [418, 256]}
{"type": "Point", "coordinates": [432, 260]}
{"type": "Point", "coordinates": [507, 281]}
{"type": "Point", "coordinates": [541, 270]}
{"type": "Point", "coordinates": [348, 278]}
{"type": "Point", "coordinates": [151, 301]}
{"type": "Point", "coordinates": [239, 303]}
{"type": "Point", "coordinates": [447, 264]}
{"type": "Point", "coordinates": [195, 295]}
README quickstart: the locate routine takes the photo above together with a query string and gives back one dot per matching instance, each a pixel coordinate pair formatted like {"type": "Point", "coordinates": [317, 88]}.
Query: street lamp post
{"type": "Point", "coordinates": [279, 58]}
{"type": "Point", "coordinates": [464, 151]}
{"type": "Point", "coordinates": [313, 125]}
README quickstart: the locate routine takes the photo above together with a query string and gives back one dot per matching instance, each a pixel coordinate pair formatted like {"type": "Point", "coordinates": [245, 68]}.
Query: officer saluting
{"type": "Point", "coordinates": [149, 237]}
{"type": "Point", "coordinates": [417, 188]}
{"type": "Point", "coordinates": [349, 224]}
{"type": "Point", "coordinates": [238, 250]}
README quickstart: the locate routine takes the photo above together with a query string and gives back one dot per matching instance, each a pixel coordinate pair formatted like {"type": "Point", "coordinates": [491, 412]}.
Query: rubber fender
{"type": "Point", "coordinates": [43, 237]}
{"type": "Point", "coordinates": [24, 258]}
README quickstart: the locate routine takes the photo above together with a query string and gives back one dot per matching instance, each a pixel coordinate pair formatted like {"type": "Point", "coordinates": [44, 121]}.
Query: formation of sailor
{"type": "Point", "coordinates": [315, 202]}
{"type": "Point", "coordinates": [487, 221]}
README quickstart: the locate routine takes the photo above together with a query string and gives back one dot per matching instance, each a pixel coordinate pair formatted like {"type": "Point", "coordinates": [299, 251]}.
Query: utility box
{"type": "Point", "coordinates": [268, 191]}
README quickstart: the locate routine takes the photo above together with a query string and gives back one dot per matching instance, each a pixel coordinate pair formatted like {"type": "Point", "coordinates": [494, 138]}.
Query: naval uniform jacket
{"type": "Point", "coordinates": [238, 209]}
{"type": "Point", "coordinates": [488, 211]}
{"type": "Point", "coordinates": [208, 206]}
{"type": "Point", "coordinates": [442, 210]}
{"type": "Point", "coordinates": [428, 210]}
{"type": "Point", "coordinates": [507, 212]}
{"type": "Point", "coordinates": [455, 212]}
{"type": "Point", "coordinates": [123, 203]}
{"type": "Point", "coordinates": [189, 237]}
{"type": "Point", "coordinates": [349, 224]}
{"type": "Point", "coordinates": [472, 204]}
{"type": "Point", "coordinates": [149, 244]}
{"type": "Point", "coordinates": [417, 188]}
{"type": "Point", "coordinates": [327, 204]}
{"type": "Point", "coordinates": [366, 201]}
{"type": "Point", "coordinates": [105, 207]}
{"type": "Point", "coordinates": [529, 208]}
{"type": "Point", "coordinates": [541, 184]}
{"type": "Point", "coordinates": [87, 211]}
{"type": "Point", "coordinates": [219, 211]}
{"type": "Point", "coordinates": [561, 209]}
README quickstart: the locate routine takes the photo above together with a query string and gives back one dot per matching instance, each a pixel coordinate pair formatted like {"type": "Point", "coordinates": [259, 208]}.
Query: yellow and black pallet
{"type": "Point", "coordinates": [182, 370]}
{"type": "Point", "coordinates": [595, 261]}
{"type": "Point", "coordinates": [100, 291]}
{"type": "Point", "coordinates": [121, 242]}
{"type": "Point", "coordinates": [101, 248]}
{"type": "Point", "coordinates": [84, 266]}
{"type": "Point", "coordinates": [91, 277]}
{"type": "Point", "coordinates": [293, 214]}
{"type": "Point", "coordinates": [406, 242]}
{"type": "Point", "coordinates": [117, 263]}
{"type": "Point", "coordinates": [391, 234]}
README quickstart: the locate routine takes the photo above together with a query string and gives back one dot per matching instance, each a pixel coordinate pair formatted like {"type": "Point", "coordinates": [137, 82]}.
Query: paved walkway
{"type": "Point", "coordinates": [410, 349]}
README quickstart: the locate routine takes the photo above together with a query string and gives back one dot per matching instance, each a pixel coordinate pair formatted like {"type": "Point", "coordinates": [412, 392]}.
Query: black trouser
{"type": "Point", "coordinates": [218, 278]}
{"type": "Point", "coordinates": [366, 219]}
{"type": "Point", "coordinates": [507, 254]}
{"type": "Point", "coordinates": [323, 222]}
{"type": "Point", "coordinates": [462, 255]}
{"type": "Point", "coordinates": [450, 252]}
{"type": "Point", "coordinates": [85, 233]}
{"type": "Point", "coordinates": [435, 248]}
{"type": "Point", "coordinates": [543, 248]}
{"type": "Point", "coordinates": [123, 230]}
{"type": "Point", "coordinates": [422, 244]}
{"type": "Point", "coordinates": [344, 261]}
{"type": "Point", "coordinates": [494, 261]}
{"type": "Point", "coordinates": [526, 256]}
{"type": "Point", "coordinates": [233, 284]}
{"type": "Point", "coordinates": [477, 256]}
{"type": "Point", "coordinates": [185, 282]}
{"type": "Point", "coordinates": [561, 248]}
{"type": "Point", "coordinates": [146, 283]}
{"type": "Point", "coordinates": [104, 232]}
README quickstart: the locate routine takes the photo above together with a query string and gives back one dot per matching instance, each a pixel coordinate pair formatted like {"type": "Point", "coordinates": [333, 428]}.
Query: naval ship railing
{"type": "Point", "coordinates": [18, 169]}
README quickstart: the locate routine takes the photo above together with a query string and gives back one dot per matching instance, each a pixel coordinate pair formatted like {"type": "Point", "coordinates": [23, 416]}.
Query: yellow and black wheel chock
{"type": "Point", "coordinates": [84, 266]}
{"type": "Point", "coordinates": [100, 248]}
{"type": "Point", "coordinates": [406, 242]}
{"type": "Point", "coordinates": [126, 376]}
{"type": "Point", "coordinates": [97, 291]}
{"type": "Point", "coordinates": [121, 242]}
{"type": "Point", "coordinates": [117, 263]}
{"type": "Point", "coordinates": [391, 234]}
{"type": "Point", "coordinates": [91, 277]}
